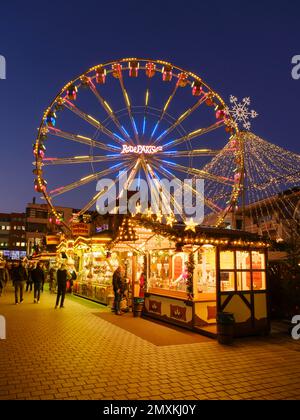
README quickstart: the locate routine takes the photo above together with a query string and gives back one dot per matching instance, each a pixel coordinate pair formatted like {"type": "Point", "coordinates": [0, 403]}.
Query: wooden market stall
{"type": "Point", "coordinates": [191, 276]}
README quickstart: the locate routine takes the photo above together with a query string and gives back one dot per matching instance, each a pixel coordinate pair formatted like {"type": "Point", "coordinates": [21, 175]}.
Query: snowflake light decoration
{"type": "Point", "coordinates": [240, 111]}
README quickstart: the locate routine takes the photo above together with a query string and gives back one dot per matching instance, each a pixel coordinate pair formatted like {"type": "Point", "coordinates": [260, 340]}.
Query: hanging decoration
{"type": "Point", "coordinates": [127, 232]}
{"type": "Point", "coordinates": [240, 112]}
{"type": "Point", "coordinates": [190, 275]}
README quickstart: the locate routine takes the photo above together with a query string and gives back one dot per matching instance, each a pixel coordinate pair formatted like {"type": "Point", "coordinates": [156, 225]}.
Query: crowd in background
{"type": "Point", "coordinates": [28, 276]}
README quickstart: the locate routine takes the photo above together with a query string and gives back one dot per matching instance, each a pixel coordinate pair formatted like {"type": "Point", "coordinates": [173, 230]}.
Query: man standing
{"type": "Point", "coordinates": [38, 278]}
{"type": "Point", "coordinates": [118, 288]}
{"type": "Point", "coordinates": [62, 277]}
{"type": "Point", "coordinates": [19, 277]}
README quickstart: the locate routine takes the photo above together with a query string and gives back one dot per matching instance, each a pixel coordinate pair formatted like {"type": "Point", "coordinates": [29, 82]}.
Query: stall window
{"type": "Point", "coordinates": [205, 271]}
{"type": "Point", "coordinates": [258, 260]}
{"type": "Point", "coordinates": [227, 281]}
{"type": "Point", "coordinates": [166, 271]}
{"type": "Point", "coordinates": [226, 260]}
{"type": "Point", "coordinates": [259, 280]}
{"type": "Point", "coordinates": [243, 280]}
{"type": "Point", "coordinates": [242, 260]}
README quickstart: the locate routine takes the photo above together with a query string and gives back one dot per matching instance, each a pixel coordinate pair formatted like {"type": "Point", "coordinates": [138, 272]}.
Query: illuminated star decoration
{"type": "Point", "coordinates": [159, 217]}
{"type": "Point", "coordinates": [149, 212]}
{"type": "Point", "coordinates": [240, 111]}
{"type": "Point", "coordinates": [190, 225]}
{"type": "Point", "coordinates": [138, 209]}
{"type": "Point", "coordinates": [170, 220]}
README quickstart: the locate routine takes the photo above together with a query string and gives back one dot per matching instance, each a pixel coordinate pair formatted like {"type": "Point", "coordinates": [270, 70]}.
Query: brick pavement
{"type": "Point", "coordinates": [72, 354]}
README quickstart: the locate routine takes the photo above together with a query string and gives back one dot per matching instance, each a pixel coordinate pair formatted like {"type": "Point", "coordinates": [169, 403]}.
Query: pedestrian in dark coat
{"type": "Point", "coordinates": [3, 277]}
{"type": "Point", "coordinates": [38, 278]}
{"type": "Point", "coordinates": [19, 277]}
{"type": "Point", "coordinates": [29, 282]}
{"type": "Point", "coordinates": [118, 289]}
{"type": "Point", "coordinates": [61, 276]}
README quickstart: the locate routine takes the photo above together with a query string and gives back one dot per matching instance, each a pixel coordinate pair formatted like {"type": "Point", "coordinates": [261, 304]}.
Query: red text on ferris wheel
{"type": "Point", "coordinates": [141, 149]}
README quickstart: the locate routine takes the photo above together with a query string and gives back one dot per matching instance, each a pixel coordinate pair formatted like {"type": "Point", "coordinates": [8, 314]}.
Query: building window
{"type": "Point", "coordinates": [23, 244]}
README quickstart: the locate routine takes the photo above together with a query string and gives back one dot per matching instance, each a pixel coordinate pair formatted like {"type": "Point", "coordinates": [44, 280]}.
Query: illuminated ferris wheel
{"type": "Point", "coordinates": [147, 117]}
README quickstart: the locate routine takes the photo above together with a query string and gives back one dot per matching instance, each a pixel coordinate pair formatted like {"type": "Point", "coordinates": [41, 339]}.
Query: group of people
{"type": "Point", "coordinates": [120, 287]}
{"type": "Point", "coordinates": [34, 274]}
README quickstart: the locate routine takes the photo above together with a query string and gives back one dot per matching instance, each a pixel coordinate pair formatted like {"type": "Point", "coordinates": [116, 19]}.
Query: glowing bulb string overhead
{"type": "Point", "coordinates": [271, 185]}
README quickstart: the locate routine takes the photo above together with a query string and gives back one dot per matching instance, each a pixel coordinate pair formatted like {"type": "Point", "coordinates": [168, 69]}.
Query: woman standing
{"type": "Point", "coordinates": [142, 283]}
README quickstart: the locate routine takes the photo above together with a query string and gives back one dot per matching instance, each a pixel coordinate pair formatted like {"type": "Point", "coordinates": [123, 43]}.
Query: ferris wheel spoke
{"type": "Point", "coordinates": [147, 95]}
{"type": "Point", "coordinates": [109, 110]}
{"type": "Point", "coordinates": [209, 203]}
{"type": "Point", "coordinates": [93, 121]}
{"type": "Point", "coordinates": [128, 106]}
{"type": "Point", "coordinates": [79, 159]}
{"type": "Point", "coordinates": [198, 172]}
{"type": "Point", "coordinates": [194, 134]}
{"type": "Point", "coordinates": [85, 180]}
{"type": "Point", "coordinates": [99, 194]}
{"type": "Point", "coordinates": [164, 110]}
{"type": "Point", "coordinates": [153, 180]}
{"type": "Point", "coordinates": [180, 119]}
{"type": "Point", "coordinates": [131, 176]}
{"type": "Point", "coordinates": [189, 153]}
{"type": "Point", "coordinates": [78, 138]}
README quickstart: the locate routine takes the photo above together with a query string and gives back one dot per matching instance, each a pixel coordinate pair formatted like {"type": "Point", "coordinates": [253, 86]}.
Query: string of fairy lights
{"type": "Point", "coordinates": [271, 186]}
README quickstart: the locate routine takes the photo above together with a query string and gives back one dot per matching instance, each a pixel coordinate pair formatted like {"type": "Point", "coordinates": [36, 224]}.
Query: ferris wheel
{"type": "Point", "coordinates": [148, 117]}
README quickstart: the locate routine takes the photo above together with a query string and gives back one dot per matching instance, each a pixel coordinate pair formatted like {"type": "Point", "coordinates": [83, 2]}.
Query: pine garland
{"type": "Point", "coordinates": [189, 280]}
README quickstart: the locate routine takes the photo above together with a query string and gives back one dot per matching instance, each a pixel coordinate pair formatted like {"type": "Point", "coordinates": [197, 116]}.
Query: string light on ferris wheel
{"type": "Point", "coordinates": [240, 111]}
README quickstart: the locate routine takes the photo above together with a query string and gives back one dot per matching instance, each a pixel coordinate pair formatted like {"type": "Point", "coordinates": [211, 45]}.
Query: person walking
{"type": "Point", "coordinates": [29, 281]}
{"type": "Point", "coordinates": [38, 278]}
{"type": "Point", "coordinates": [52, 279]}
{"type": "Point", "coordinates": [42, 266]}
{"type": "Point", "coordinates": [3, 277]}
{"type": "Point", "coordinates": [19, 277]}
{"type": "Point", "coordinates": [8, 270]}
{"type": "Point", "coordinates": [62, 277]}
{"type": "Point", "coordinates": [118, 289]}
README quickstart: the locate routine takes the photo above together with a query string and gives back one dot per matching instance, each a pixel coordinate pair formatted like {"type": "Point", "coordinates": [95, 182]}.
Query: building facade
{"type": "Point", "coordinates": [12, 235]}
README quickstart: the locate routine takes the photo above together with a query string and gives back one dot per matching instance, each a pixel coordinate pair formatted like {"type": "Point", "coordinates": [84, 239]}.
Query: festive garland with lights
{"type": "Point", "coordinates": [190, 275]}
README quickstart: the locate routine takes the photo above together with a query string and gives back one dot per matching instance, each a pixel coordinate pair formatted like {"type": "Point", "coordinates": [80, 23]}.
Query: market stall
{"type": "Point", "coordinates": [185, 278]}
{"type": "Point", "coordinates": [94, 266]}
{"type": "Point", "coordinates": [192, 276]}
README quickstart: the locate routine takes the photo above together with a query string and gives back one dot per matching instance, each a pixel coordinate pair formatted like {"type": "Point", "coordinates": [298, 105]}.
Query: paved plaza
{"type": "Point", "coordinates": [72, 353]}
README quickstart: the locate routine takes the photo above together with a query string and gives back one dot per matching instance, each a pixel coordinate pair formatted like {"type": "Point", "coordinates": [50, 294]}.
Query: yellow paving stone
{"type": "Point", "coordinates": [79, 355]}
